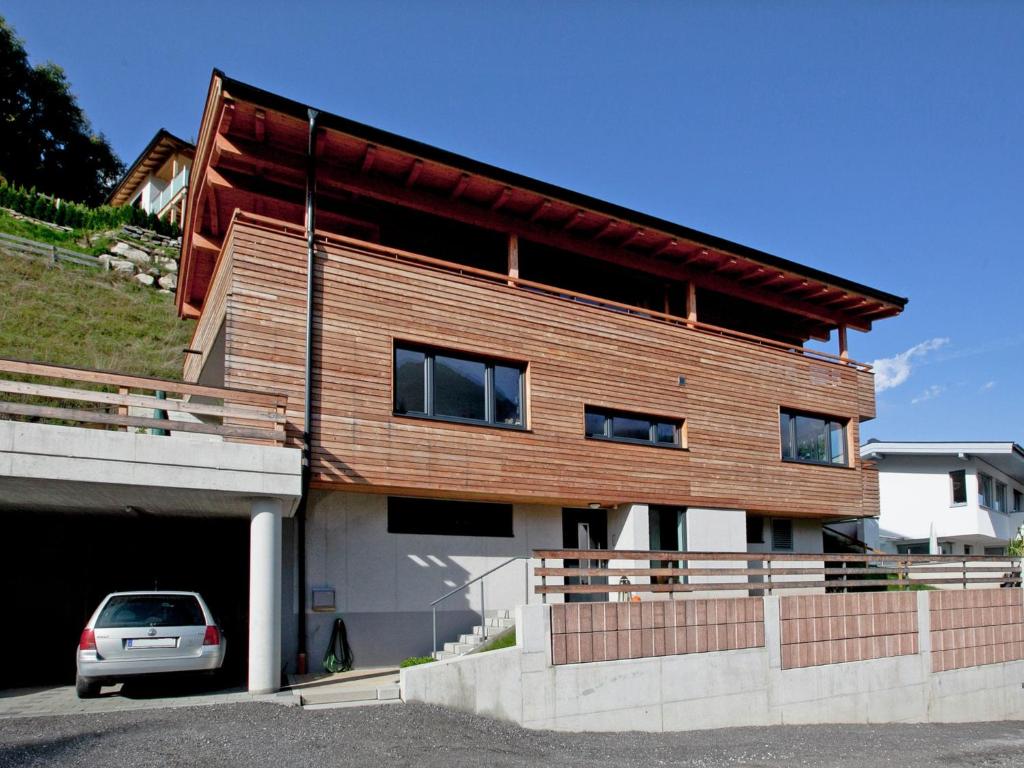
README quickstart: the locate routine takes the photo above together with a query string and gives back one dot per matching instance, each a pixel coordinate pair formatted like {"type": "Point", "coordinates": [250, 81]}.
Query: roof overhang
{"type": "Point", "coordinates": [253, 145]}
{"type": "Point", "coordinates": [1007, 457]}
{"type": "Point", "coordinates": [161, 146]}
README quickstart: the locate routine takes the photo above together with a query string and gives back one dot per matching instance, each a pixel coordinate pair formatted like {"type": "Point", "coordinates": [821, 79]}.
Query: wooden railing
{"type": "Point", "coordinates": [113, 400]}
{"type": "Point", "coordinates": [765, 572]}
{"type": "Point", "coordinates": [20, 246]}
{"type": "Point", "coordinates": [564, 294]}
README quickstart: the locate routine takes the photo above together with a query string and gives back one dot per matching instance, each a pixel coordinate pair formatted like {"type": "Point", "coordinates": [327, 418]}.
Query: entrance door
{"type": "Point", "coordinates": [667, 526]}
{"type": "Point", "coordinates": [585, 529]}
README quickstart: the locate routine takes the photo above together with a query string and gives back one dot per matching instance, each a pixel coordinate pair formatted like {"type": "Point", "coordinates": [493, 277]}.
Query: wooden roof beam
{"type": "Point", "coordinates": [634, 237]}
{"type": "Point", "coordinates": [501, 199]}
{"type": "Point", "coordinates": [574, 220]}
{"type": "Point", "coordinates": [605, 229]}
{"type": "Point", "coordinates": [664, 248]}
{"type": "Point", "coordinates": [260, 125]}
{"type": "Point", "coordinates": [460, 187]}
{"type": "Point", "coordinates": [540, 210]}
{"type": "Point", "coordinates": [414, 173]}
{"type": "Point", "coordinates": [368, 157]}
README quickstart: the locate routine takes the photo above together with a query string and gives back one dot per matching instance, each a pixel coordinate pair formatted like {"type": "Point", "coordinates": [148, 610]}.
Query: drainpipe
{"type": "Point", "coordinates": [307, 412]}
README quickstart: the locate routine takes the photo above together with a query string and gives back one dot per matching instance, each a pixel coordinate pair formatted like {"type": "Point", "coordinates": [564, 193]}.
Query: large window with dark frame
{"type": "Point", "coordinates": [958, 484]}
{"type": "Point", "coordinates": [625, 427]}
{"type": "Point", "coordinates": [813, 439]}
{"type": "Point", "coordinates": [442, 517]}
{"type": "Point", "coordinates": [452, 386]}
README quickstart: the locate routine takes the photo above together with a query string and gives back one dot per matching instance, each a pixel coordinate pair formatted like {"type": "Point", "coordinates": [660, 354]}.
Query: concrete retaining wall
{"type": "Point", "coordinates": [714, 689]}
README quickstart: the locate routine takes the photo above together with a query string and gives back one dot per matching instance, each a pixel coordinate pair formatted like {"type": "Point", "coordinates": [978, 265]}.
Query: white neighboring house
{"type": "Point", "coordinates": [969, 495]}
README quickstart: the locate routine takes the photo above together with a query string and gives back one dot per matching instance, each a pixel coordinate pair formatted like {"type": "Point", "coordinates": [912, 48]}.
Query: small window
{"type": "Point", "coordinates": [920, 548]}
{"type": "Point", "coordinates": [782, 534]}
{"type": "Point", "coordinates": [1018, 502]}
{"type": "Point", "coordinates": [968, 549]}
{"type": "Point", "coordinates": [946, 547]}
{"type": "Point", "coordinates": [455, 387]}
{"type": "Point", "coordinates": [999, 504]}
{"type": "Point", "coordinates": [601, 424]}
{"type": "Point", "coordinates": [995, 551]}
{"type": "Point", "coordinates": [985, 494]}
{"type": "Point", "coordinates": [440, 517]}
{"type": "Point", "coordinates": [812, 439]}
{"type": "Point", "coordinates": [958, 482]}
{"type": "Point", "coordinates": [755, 529]}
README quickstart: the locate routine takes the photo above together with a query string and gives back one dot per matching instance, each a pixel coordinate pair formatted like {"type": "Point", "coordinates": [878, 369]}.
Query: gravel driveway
{"type": "Point", "coordinates": [427, 737]}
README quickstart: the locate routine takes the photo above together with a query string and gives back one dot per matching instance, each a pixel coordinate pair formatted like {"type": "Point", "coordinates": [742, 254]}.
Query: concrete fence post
{"type": "Point", "coordinates": [773, 632]}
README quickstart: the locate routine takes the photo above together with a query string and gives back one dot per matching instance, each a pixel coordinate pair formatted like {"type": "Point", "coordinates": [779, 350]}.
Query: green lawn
{"type": "Point", "coordinates": [81, 316]}
{"type": "Point", "coordinates": [75, 240]}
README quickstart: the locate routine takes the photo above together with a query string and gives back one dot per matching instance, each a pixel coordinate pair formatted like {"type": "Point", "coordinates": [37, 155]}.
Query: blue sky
{"type": "Point", "coordinates": [881, 141]}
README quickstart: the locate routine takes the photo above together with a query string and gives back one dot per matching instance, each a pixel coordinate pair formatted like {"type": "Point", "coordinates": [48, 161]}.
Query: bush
{"type": "Point", "coordinates": [414, 661]}
{"type": "Point", "coordinates": [77, 216]}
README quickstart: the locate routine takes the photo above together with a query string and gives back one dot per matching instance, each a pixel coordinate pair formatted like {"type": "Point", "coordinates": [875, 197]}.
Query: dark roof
{"type": "Point", "coordinates": [475, 167]}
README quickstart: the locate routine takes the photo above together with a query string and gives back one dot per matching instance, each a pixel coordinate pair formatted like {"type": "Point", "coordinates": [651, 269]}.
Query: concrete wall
{"type": "Point", "coordinates": [713, 690]}
{"type": "Point", "coordinates": [384, 582]}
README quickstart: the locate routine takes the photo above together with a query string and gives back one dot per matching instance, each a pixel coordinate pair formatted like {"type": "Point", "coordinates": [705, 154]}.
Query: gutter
{"type": "Point", "coordinates": [307, 409]}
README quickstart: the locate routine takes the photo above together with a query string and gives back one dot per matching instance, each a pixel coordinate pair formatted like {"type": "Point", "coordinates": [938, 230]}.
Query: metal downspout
{"type": "Point", "coordinates": [307, 412]}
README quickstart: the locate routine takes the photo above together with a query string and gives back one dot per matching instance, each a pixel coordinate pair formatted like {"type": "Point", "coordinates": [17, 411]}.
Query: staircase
{"type": "Point", "coordinates": [495, 622]}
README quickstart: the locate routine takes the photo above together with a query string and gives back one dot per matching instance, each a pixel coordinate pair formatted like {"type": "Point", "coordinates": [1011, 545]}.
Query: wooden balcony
{"type": "Point", "coordinates": [40, 392]}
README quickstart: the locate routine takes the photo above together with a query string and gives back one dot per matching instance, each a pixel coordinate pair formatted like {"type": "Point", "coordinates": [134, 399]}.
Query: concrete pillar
{"type": "Point", "coordinates": [265, 595]}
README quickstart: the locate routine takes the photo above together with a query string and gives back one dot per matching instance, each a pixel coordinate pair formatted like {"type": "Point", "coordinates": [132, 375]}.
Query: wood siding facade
{"type": "Point", "coordinates": [576, 355]}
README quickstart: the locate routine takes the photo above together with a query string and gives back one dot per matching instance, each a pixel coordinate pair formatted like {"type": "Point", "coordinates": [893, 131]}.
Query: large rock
{"type": "Point", "coordinates": [123, 266]}
{"type": "Point", "coordinates": [133, 254]}
{"type": "Point", "coordinates": [168, 265]}
{"type": "Point", "coordinates": [169, 282]}
{"type": "Point", "coordinates": [144, 279]}
{"type": "Point", "coordinates": [105, 259]}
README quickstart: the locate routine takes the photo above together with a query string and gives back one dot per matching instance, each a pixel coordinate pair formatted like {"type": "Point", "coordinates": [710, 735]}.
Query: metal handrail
{"type": "Point", "coordinates": [474, 580]}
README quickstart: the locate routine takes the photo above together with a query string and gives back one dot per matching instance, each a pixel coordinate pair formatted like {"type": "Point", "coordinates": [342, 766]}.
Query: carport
{"type": "Point", "coordinates": [85, 512]}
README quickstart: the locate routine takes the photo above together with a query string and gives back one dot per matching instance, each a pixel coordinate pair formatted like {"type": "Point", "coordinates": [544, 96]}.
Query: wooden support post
{"type": "Point", "coordinates": [691, 302]}
{"type": "Point", "coordinates": [844, 349]}
{"type": "Point", "coordinates": [513, 258]}
{"type": "Point", "coordinates": [122, 410]}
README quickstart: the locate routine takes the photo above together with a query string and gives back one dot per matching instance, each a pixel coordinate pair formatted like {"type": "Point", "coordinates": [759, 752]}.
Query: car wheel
{"type": "Point", "coordinates": [86, 688]}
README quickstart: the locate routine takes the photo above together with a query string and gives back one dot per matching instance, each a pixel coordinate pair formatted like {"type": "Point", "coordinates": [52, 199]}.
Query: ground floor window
{"type": "Point", "coordinates": [782, 533]}
{"type": "Point", "coordinates": [667, 531]}
{"type": "Point", "coordinates": [442, 517]}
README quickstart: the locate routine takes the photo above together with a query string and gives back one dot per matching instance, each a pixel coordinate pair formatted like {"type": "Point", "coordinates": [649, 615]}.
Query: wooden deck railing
{"type": "Point", "coordinates": [551, 291]}
{"type": "Point", "coordinates": [765, 572]}
{"type": "Point", "coordinates": [113, 400]}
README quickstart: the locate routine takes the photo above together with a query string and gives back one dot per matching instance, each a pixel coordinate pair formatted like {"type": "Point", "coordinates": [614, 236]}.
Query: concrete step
{"type": "Point", "coordinates": [379, 693]}
{"type": "Point", "coordinates": [498, 613]}
{"type": "Point", "coordinates": [473, 639]}
{"type": "Point", "coordinates": [442, 655]}
{"type": "Point", "coordinates": [459, 648]}
{"type": "Point", "coordinates": [500, 623]}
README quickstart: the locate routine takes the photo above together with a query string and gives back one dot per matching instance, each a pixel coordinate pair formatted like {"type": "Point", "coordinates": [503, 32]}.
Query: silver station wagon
{"type": "Point", "coordinates": [147, 633]}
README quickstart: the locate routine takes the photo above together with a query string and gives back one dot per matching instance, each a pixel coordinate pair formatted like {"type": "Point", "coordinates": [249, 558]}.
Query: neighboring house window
{"type": "Point", "coordinates": [455, 387]}
{"type": "Point", "coordinates": [755, 529]}
{"type": "Point", "coordinates": [1018, 502]}
{"type": "Point", "coordinates": [985, 490]}
{"type": "Point", "coordinates": [958, 480]}
{"type": "Point", "coordinates": [997, 551]}
{"type": "Point", "coordinates": [968, 549]}
{"type": "Point", "coordinates": [1000, 497]}
{"type": "Point", "coordinates": [782, 533]}
{"type": "Point", "coordinates": [620, 426]}
{"type": "Point", "coordinates": [812, 439]}
{"type": "Point", "coordinates": [920, 548]}
{"type": "Point", "coordinates": [440, 517]}
{"type": "Point", "coordinates": [946, 547]}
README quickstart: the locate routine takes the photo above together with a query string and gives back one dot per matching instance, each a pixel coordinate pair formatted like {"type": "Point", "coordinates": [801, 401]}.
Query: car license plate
{"type": "Point", "coordinates": [150, 642]}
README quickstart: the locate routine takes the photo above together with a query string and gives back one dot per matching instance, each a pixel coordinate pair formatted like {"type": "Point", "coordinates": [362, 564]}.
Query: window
{"type": "Point", "coordinates": [968, 549]}
{"type": "Point", "coordinates": [455, 387]}
{"type": "Point", "coordinates": [985, 490]}
{"type": "Point", "coordinates": [782, 533]}
{"type": "Point", "coordinates": [601, 424]}
{"type": "Point", "coordinates": [946, 547]}
{"type": "Point", "coordinates": [440, 517]}
{"type": "Point", "coordinates": [1018, 502]}
{"type": "Point", "coordinates": [812, 439]}
{"type": "Point", "coordinates": [958, 482]}
{"type": "Point", "coordinates": [997, 551]}
{"type": "Point", "coordinates": [912, 549]}
{"type": "Point", "coordinates": [755, 529]}
{"type": "Point", "coordinates": [151, 611]}
{"type": "Point", "coordinates": [1000, 497]}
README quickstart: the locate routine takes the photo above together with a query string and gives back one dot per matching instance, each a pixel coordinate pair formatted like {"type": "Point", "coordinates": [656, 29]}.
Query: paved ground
{"type": "Point", "coordinates": [260, 734]}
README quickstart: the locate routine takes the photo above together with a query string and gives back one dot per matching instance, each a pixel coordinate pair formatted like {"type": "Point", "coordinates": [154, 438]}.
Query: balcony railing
{"type": "Point", "coordinates": [116, 401]}
{"type": "Point", "coordinates": [765, 572]}
{"type": "Point", "coordinates": [162, 200]}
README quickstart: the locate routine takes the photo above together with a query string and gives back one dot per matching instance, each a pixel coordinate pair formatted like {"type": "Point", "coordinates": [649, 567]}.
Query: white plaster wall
{"type": "Point", "coordinates": [807, 538]}
{"type": "Point", "coordinates": [916, 493]}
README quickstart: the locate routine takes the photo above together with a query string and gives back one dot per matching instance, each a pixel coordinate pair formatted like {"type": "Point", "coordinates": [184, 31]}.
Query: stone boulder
{"type": "Point", "coordinates": [170, 282]}
{"type": "Point", "coordinates": [123, 266]}
{"type": "Point", "coordinates": [168, 265]}
{"type": "Point", "coordinates": [135, 255]}
{"type": "Point", "coordinates": [144, 279]}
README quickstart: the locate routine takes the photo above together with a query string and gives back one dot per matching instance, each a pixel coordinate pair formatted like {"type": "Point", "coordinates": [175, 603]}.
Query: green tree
{"type": "Point", "coordinates": [46, 140]}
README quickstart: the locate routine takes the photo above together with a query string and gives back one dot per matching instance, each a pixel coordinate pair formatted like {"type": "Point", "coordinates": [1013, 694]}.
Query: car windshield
{"type": "Point", "coordinates": [151, 611]}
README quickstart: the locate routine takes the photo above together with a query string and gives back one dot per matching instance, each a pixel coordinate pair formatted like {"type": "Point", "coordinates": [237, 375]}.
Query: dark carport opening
{"type": "Point", "coordinates": [56, 568]}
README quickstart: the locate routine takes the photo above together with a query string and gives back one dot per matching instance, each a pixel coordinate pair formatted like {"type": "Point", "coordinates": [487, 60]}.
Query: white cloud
{"type": "Point", "coordinates": [987, 386]}
{"type": "Point", "coordinates": [929, 394]}
{"type": "Point", "coordinates": [892, 371]}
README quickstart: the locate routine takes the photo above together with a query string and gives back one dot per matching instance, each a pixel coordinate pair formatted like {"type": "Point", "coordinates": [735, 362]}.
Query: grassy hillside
{"type": "Point", "coordinates": [84, 317]}
{"type": "Point", "coordinates": [74, 240]}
